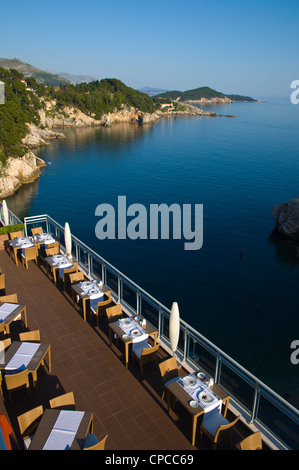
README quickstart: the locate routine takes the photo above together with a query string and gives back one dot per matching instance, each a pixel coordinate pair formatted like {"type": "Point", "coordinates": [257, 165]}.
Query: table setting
{"type": "Point", "coordinates": [62, 262]}
{"type": "Point", "coordinates": [133, 331]}
{"type": "Point", "coordinates": [45, 238]}
{"type": "Point", "coordinates": [200, 393]}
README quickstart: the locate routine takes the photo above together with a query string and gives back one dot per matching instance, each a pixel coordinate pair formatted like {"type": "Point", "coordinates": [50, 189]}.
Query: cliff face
{"type": "Point", "coordinates": [18, 171]}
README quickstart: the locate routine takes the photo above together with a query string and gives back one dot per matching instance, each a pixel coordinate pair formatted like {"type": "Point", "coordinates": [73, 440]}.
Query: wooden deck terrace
{"type": "Point", "coordinates": [125, 406]}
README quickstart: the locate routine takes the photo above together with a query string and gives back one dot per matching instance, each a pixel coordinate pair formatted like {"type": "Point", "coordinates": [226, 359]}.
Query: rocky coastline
{"type": "Point", "coordinates": [25, 169]}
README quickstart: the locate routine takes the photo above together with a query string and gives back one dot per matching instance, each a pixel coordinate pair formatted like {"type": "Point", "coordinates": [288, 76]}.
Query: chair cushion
{"type": "Point", "coordinates": [139, 347]}
{"type": "Point", "coordinates": [91, 440]}
{"type": "Point", "coordinates": [212, 421]}
{"type": "Point", "coordinates": [168, 382]}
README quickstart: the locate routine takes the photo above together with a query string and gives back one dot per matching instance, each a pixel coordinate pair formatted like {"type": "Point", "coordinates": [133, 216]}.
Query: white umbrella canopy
{"type": "Point", "coordinates": [174, 326]}
{"type": "Point", "coordinates": [67, 239]}
{"type": "Point", "coordinates": [5, 212]}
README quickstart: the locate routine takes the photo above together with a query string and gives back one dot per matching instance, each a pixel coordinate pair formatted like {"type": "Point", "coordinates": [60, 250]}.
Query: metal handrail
{"type": "Point", "coordinates": [257, 385]}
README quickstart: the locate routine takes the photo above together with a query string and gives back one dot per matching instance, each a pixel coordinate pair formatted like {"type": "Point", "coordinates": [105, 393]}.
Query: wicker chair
{"type": "Point", "coordinates": [4, 344]}
{"type": "Point", "coordinates": [169, 371]}
{"type": "Point", "coordinates": [28, 423]}
{"type": "Point", "coordinates": [114, 313]}
{"type": "Point", "coordinates": [11, 298]}
{"type": "Point", "coordinates": [217, 428]}
{"type": "Point", "coordinates": [36, 230]}
{"type": "Point", "coordinates": [30, 254]}
{"type": "Point", "coordinates": [65, 278]}
{"type": "Point", "coordinates": [17, 234]}
{"type": "Point", "coordinates": [92, 443]}
{"type": "Point", "coordinates": [252, 442]}
{"type": "Point", "coordinates": [2, 283]}
{"type": "Point", "coordinates": [16, 381]}
{"type": "Point", "coordinates": [145, 355]}
{"type": "Point", "coordinates": [33, 336]}
{"type": "Point", "coordinates": [98, 308]}
{"type": "Point", "coordinates": [65, 401]}
{"type": "Point", "coordinates": [76, 277]}
{"type": "Point", "coordinates": [52, 249]}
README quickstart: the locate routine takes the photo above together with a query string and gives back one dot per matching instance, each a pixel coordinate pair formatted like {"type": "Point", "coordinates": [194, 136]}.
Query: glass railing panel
{"type": "Point", "coordinates": [165, 328]}
{"type": "Point", "coordinates": [150, 313]}
{"type": "Point", "coordinates": [237, 386]}
{"type": "Point", "coordinates": [82, 257]}
{"type": "Point", "coordinates": [203, 358]}
{"type": "Point", "coordinates": [96, 269]}
{"type": "Point", "coordinates": [112, 281]}
{"type": "Point", "coordinates": [129, 296]}
{"type": "Point", "coordinates": [279, 422]}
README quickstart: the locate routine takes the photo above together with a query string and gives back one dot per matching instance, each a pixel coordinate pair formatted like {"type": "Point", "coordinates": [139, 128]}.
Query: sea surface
{"type": "Point", "coordinates": [238, 168]}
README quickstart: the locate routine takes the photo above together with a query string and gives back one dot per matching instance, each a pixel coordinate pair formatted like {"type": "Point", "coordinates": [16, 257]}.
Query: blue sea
{"type": "Point", "coordinates": [238, 168]}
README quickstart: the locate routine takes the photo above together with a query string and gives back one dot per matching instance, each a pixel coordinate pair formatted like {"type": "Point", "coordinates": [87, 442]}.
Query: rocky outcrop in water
{"type": "Point", "coordinates": [286, 216]}
{"type": "Point", "coordinates": [19, 171]}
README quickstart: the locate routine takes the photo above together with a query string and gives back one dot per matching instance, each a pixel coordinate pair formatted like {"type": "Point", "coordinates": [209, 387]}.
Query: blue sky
{"type": "Point", "coordinates": [246, 47]}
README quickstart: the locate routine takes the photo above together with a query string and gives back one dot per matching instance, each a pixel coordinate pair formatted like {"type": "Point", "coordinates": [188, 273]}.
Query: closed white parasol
{"type": "Point", "coordinates": [174, 326]}
{"type": "Point", "coordinates": [67, 239]}
{"type": "Point", "coordinates": [5, 213]}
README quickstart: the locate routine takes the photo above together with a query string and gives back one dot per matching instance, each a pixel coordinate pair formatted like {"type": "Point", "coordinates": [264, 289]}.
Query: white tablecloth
{"type": "Point", "coordinates": [24, 242]}
{"type": "Point", "coordinates": [6, 310]}
{"type": "Point", "coordinates": [45, 238]}
{"type": "Point", "coordinates": [129, 326]}
{"type": "Point", "coordinates": [22, 357]}
{"type": "Point", "coordinates": [62, 263]}
{"type": "Point", "coordinates": [64, 430]}
{"type": "Point", "coordinates": [200, 387]}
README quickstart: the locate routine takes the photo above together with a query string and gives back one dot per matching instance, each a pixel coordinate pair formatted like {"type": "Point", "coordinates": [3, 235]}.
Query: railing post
{"type": "Point", "coordinates": [185, 344]}
{"type": "Point", "coordinates": [159, 322]}
{"type": "Point", "coordinates": [218, 369]}
{"type": "Point", "coordinates": [137, 302]}
{"type": "Point", "coordinates": [255, 406]}
{"type": "Point", "coordinates": [119, 289]}
{"type": "Point", "coordinates": [89, 263]}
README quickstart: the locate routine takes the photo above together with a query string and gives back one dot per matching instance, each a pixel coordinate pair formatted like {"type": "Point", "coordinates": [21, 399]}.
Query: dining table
{"type": "Point", "coordinates": [9, 312]}
{"type": "Point", "coordinates": [26, 355]}
{"type": "Point", "coordinates": [89, 291]}
{"type": "Point", "coordinates": [62, 430]}
{"type": "Point", "coordinates": [21, 243]}
{"type": "Point", "coordinates": [197, 397]}
{"type": "Point", "coordinates": [57, 263]}
{"type": "Point", "coordinates": [133, 331]}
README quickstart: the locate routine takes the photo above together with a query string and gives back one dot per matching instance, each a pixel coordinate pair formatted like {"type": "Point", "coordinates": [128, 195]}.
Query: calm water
{"type": "Point", "coordinates": [238, 168]}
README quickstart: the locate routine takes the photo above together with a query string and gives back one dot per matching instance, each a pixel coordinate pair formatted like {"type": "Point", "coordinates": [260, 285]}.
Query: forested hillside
{"type": "Point", "coordinates": [25, 97]}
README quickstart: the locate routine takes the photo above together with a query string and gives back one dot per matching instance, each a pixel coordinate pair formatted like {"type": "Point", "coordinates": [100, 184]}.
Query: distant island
{"type": "Point", "coordinates": [202, 95]}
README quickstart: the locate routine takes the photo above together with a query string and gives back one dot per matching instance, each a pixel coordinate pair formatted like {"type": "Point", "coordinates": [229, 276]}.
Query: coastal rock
{"type": "Point", "coordinates": [38, 136]}
{"type": "Point", "coordinates": [18, 171]}
{"type": "Point", "coordinates": [286, 216]}
{"type": "Point", "coordinates": [215, 100]}
{"type": "Point", "coordinates": [69, 117]}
